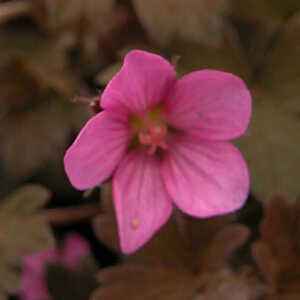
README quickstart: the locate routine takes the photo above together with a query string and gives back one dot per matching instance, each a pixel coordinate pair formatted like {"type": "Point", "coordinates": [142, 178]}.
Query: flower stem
{"type": "Point", "coordinates": [57, 216]}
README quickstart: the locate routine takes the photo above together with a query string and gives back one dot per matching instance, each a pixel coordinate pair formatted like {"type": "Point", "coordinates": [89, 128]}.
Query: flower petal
{"type": "Point", "coordinates": [35, 263]}
{"type": "Point", "coordinates": [32, 286]}
{"type": "Point", "coordinates": [141, 202]}
{"type": "Point", "coordinates": [75, 248]}
{"type": "Point", "coordinates": [97, 151]}
{"type": "Point", "coordinates": [144, 80]}
{"type": "Point", "coordinates": [210, 104]}
{"type": "Point", "coordinates": [205, 178]}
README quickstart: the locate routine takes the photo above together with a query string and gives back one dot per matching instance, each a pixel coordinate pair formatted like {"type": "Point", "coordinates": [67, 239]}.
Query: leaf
{"type": "Point", "coordinates": [271, 146]}
{"type": "Point", "coordinates": [193, 20]}
{"type": "Point", "coordinates": [224, 244]}
{"type": "Point", "coordinates": [284, 296]}
{"type": "Point", "coordinates": [255, 11]}
{"type": "Point", "coordinates": [43, 60]}
{"type": "Point", "coordinates": [277, 253]}
{"type": "Point", "coordinates": [39, 132]}
{"type": "Point", "coordinates": [137, 282]}
{"type": "Point", "coordinates": [9, 278]}
{"type": "Point", "coordinates": [265, 10]}
{"type": "Point", "coordinates": [23, 230]}
{"type": "Point", "coordinates": [229, 56]}
{"type": "Point", "coordinates": [274, 129]}
{"type": "Point", "coordinates": [149, 282]}
{"type": "Point", "coordinates": [59, 14]}
{"type": "Point", "coordinates": [228, 285]}
{"type": "Point", "coordinates": [36, 87]}
{"type": "Point", "coordinates": [24, 235]}
{"type": "Point", "coordinates": [265, 261]}
{"type": "Point", "coordinates": [24, 201]}
{"type": "Point", "coordinates": [281, 72]}
{"type": "Point", "coordinates": [64, 283]}
{"type": "Point", "coordinates": [286, 8]}
{"type": "Point", "coordinates": [3, 296]}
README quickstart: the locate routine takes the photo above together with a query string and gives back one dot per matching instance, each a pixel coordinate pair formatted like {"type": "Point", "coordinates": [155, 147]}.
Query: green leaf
{"type": "Point", "coordinates": [24, 201]}
{"type": "Point", "coordinates": [24, 235]}
{"type": "Point", "coordinates": [23, 229]}
{"type": "Point", "coordinates": [9, 277]}
{"type": "Point", "coordinates": [271, 147]}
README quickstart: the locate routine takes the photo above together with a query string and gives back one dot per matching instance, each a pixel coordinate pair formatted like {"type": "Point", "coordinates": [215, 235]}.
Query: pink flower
{"type": "Point", "coordinates": [33, 282]}
{"type": "Point", "coordinates": [165, 142]}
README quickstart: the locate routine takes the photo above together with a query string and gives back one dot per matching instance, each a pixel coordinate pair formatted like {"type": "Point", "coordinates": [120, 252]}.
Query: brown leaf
{"type": "Point", "coordinates": [224, 244]}
{"type": "Point", "coordinates": [131, 281]}
{"type": "Point", "coordinates": [58, 14]}
{"type": "Point", "coordinates": [137, 282]}
{"type": "Point", "coordinates": [228, 285]}
{"type": "Point", "coordinates": [229, 56]}
{"type": "Point", "coordinates": [265, 261]}
{"type": "Point", "coordinates": [282, 68]}
{"type": "Point", "coordinates": [36, 115]}
{"type": "Point", "coordinates": [194, 20]}
{"type": "Point", "coordinates": [42, 133]}
{"type": "Point", "coordinates": [277, 253]}
{"type": "Point", "coordinates": [284, 296]}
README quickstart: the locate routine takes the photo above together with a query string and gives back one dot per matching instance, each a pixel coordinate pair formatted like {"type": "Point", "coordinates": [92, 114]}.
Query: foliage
{"type": "Point", "coordinates": [23, 230]}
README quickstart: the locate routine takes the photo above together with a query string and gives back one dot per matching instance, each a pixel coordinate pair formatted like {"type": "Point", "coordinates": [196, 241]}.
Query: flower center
{"type": "Point", "coordinates": [151, 130]}
{"type": "Point", "coordinates": [154, 136]}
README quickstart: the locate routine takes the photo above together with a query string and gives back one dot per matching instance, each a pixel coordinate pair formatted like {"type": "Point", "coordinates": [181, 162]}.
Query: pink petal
{"type": "Point", "coordinates": [210, 104]}
{"type": "Point", "coordinates": [35, 263]}
{"type": "Point", "coordinates": [97, 151]}
{"type": "Point", "coordinates": [141, 202]}
{"type": "Point", "coordinates": [33, 286]}
{"type": "Point", "coordinates": [75, 248]}
{"type": "Point", "coordinates": [144, 80]}
{"type": "Point", "coordinates": [205, 178]}
{"type": "Point", "coordinates": [33, 289]}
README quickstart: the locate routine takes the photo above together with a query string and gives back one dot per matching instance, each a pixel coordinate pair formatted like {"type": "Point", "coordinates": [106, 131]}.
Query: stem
{"type": "Point", "coordinates": [174, 60]}
{"type": "Point", "coordinates": [57, 216]}
{"type": "Point", "coordinates": [183, 232]}
{"type": "Point", "coordinates": [14, 9]}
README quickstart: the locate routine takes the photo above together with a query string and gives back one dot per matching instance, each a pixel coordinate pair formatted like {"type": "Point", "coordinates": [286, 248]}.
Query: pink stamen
{"type": "Point", "coordinates": [154, 137]}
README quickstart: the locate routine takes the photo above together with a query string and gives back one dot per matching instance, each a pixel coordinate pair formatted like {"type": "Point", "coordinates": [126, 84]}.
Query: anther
{"type": "Point", "coordinates": [134, 224]}
{"type": "Point", "coordinates": [154, 137]}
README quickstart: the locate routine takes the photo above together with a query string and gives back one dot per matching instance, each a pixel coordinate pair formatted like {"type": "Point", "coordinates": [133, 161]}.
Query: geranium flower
{"type": "Point", "coordinates": [34, 267]}
{"type": "Point", "coordinates": [166, 143]}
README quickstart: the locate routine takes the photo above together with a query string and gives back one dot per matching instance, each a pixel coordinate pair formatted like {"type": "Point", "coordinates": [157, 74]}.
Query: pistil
{"type": "Point", "coordinates": [154, 136]}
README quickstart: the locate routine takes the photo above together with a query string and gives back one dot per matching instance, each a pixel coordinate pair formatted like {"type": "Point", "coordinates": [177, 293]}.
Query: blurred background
{"type": "Point", "coordinates": [56, 56]}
